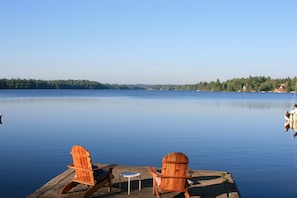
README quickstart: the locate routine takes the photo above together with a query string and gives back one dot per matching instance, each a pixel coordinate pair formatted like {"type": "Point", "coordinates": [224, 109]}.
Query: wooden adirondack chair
{"type": "Point", "coordinates": [174, 175]}
{"type": "Point", "coordinates": [87, 173]}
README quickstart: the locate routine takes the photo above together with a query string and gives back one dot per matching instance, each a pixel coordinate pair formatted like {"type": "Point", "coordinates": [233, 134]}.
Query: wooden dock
{"type": "Point", "coordinates": [207, 184]}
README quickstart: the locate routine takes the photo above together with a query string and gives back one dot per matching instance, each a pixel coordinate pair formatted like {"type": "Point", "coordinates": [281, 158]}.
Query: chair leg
{"type": "Point", "coordinates": [95, 188]}
{"type": "Point", "coordinates": [155, 187]}
{"type": "Point", "coordinates": [159, 195]}
{"type": "Point", "coordinates": [156, 190]}
{"type": "Point", "coordinates": [68, 187]}
{"type": "Point", "coordinates": [187, 194]}
{"type": "Point", "coordinates": [153, 190]}
{"type": "Point", "coordinates": [110, 178]}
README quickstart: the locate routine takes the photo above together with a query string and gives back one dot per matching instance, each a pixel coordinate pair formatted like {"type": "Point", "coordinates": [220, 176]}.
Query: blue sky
{"type": "Point", "coordinates": [148, 41]}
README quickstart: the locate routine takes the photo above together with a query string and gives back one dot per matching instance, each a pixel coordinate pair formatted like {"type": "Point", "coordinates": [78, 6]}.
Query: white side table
{"type": "Point", "coordinates": [129, 175]}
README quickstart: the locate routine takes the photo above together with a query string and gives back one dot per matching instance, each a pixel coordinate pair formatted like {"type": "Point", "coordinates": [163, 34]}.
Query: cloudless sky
{"type": "Point", "coordinates": [148, 41]}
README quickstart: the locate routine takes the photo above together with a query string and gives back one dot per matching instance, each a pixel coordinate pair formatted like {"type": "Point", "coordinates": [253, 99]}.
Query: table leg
{"type": "Point", "coordinates": [128, 185]}
{"type": "Point", "coordinates": [139, 185]}
{"type": "Point", "coordinates": [120, 182]}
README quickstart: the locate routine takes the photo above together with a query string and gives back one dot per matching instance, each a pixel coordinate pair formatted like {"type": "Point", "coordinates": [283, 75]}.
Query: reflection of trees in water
{"type": "Point", "coordinates": [291, 123]}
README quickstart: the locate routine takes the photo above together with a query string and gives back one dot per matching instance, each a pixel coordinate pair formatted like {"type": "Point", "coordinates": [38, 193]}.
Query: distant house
{"type": "Point", "coordinates": [281, 88]}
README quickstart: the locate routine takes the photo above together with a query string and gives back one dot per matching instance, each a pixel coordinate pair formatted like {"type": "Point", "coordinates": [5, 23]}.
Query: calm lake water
{"type": "Point", "coordinates": [242, 133]}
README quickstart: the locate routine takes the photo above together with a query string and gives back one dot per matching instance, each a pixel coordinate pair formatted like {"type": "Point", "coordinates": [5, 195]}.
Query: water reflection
{"type": "Point", "coordinates": [291, 120]}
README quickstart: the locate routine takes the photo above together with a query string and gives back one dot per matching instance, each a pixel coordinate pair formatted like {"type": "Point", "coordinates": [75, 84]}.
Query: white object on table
{"type": "Point", "coordinates": [129, 175]}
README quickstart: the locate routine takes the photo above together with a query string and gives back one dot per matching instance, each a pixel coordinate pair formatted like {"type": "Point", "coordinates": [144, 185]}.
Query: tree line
{"type": "Point", "coordinates": [250, 84]}
{"type": "Point", "coordinates": [58, 84]}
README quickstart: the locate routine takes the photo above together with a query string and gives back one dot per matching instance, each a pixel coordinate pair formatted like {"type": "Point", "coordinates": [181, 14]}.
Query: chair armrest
{"type": "Point", "coordinates": [190, 171]}
{"type": "Point", "coordinates": [153, 172]}
{"type": "Point", "coordinates": [71, 166]}
{"type": "Point", "coordinates": [109, 166]}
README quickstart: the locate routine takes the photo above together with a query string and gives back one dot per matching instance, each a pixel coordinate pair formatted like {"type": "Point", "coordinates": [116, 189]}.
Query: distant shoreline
{"type": "Point", "coordinates": [251, 84]}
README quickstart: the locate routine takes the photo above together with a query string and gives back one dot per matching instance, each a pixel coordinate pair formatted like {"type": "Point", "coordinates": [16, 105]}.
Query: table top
{"type": "Point", "coordinates": [129, 174]}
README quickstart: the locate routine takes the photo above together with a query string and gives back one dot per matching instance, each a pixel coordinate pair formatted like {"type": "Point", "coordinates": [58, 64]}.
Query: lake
{"type": "Point", "coordinates": [242, 133]}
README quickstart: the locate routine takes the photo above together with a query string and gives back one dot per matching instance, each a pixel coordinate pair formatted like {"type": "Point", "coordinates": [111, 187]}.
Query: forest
{"type": "Point", "coordinates": [250, 84]}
